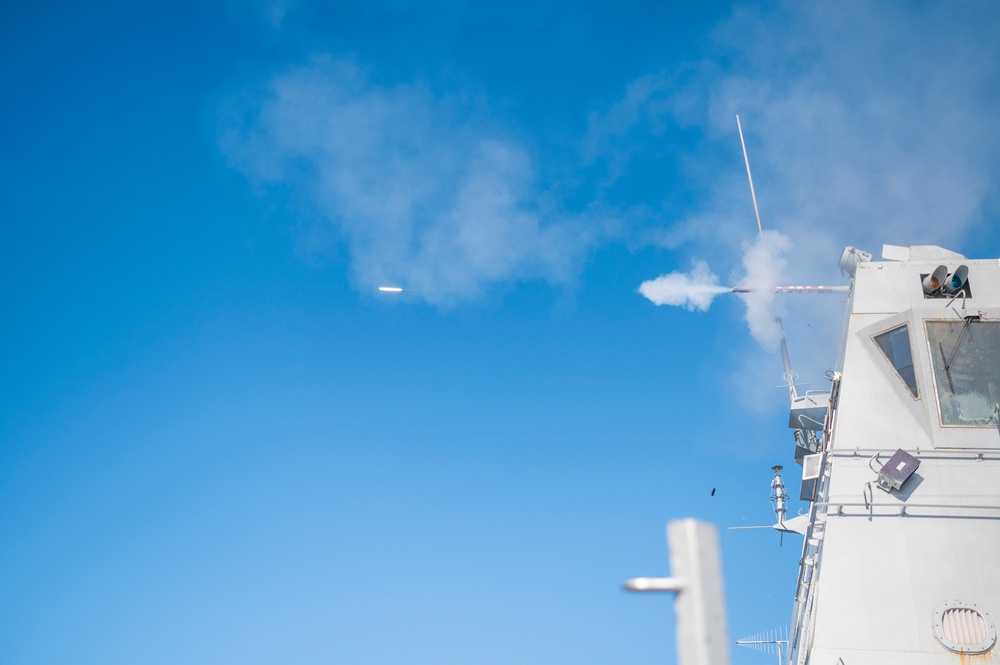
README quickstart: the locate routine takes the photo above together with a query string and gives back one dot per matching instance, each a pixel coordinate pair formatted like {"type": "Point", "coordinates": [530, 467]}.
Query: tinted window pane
{"type": "Point", "coordinates": [966, 362]}
{"type": "Point", "coordinates": [895, 345]}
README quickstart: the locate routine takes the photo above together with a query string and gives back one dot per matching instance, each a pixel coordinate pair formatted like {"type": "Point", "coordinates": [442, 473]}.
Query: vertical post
{"type": "Point", "coordinates": [702, 637]}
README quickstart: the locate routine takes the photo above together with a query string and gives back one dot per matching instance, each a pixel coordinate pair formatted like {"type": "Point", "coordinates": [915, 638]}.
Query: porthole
{"type": "Point", "coordinates": [964, 627]}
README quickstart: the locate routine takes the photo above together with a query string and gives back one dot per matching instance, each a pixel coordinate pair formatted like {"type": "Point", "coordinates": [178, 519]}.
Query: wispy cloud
{"type": "Point", "coordinates": [423, 191]}
{"type": "Point", "coordinates": [866, 123]}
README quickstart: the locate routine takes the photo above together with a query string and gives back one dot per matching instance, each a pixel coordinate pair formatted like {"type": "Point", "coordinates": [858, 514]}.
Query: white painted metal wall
{"type": "Point", "coordinates": [883, 563]}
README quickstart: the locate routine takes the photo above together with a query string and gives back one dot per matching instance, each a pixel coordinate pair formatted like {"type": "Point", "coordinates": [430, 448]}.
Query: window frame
{"type": "Point", "coordinates": [992, 422]}
{"type": "Point", "coordinates": [914, 391]}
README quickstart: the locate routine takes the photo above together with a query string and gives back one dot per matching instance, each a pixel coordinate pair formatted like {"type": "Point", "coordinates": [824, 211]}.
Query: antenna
{"type": "Point", "coordinates": [778, 498]}
{"type": "Point", "coordinates": [767, 642]}
{"type": "Point", "coordinates": [788, 374]}
{"type": "Point", "coordinates": [753, 194]}
{"type": "Point", "coordinates": [779, 502]}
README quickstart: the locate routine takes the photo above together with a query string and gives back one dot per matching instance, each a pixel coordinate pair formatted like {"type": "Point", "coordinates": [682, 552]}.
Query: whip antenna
{"type": "Point", "coordinates": [753, 194]}
{"type": "Point", "coordinates": [789, 373]}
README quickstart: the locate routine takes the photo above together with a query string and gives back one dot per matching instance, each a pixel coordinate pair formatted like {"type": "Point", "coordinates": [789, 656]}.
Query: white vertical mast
{"type": "Point", "coordinates": [789, 374]}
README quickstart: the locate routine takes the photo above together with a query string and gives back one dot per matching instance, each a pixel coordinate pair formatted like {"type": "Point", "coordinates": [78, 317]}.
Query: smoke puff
{"type": "Point", "coordinates": [693, 291]}
{"type": "Point", "coordinates": [765, 268]}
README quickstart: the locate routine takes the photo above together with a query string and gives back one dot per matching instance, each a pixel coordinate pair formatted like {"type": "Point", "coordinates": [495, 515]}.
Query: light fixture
{"type": "Point", "coordinates": [932, 283]}
{"type": "Point", "coordinates": [956, 280]}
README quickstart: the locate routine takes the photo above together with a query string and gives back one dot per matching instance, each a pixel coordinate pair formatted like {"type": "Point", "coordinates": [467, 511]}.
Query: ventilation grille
{"type": "Point", "coordinates": [964, 627]}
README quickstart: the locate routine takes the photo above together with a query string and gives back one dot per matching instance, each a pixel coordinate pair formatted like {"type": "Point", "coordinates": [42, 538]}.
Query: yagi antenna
{"type": "Point", "coordinates": [789, 373]}
{"type": "Point", "coordinates": [772, 641]}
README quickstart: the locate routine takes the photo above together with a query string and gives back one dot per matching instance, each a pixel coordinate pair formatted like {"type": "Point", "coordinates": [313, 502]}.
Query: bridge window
{"type": "Point", "coordinates": [965, 356]}
{"type": "Point", "coordinates": [895, 346]}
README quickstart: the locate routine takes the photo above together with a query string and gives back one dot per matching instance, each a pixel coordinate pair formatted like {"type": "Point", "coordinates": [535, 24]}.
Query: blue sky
{"type": "Point", "coordinates": [220, 444]}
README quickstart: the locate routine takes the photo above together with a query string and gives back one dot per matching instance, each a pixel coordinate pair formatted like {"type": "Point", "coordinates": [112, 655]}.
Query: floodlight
{"type": "Point", "coordinates": [957, 279]}
{"type": "Point", "coordinates": [932, 283]}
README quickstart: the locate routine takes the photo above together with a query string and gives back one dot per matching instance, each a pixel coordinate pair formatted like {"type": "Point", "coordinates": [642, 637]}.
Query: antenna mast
{"type": "Point", "coordinates": [778, 494]}
{"type": "Point", "coordinates": [753, 194]}
{"type": "Point", "coordinates": [789, 373]}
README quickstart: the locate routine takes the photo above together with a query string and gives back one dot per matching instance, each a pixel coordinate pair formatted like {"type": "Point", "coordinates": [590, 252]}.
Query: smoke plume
{"type": "Point", "coordinates": [692, 291]}
{"type": "Point", "coordinates": [765, 269]}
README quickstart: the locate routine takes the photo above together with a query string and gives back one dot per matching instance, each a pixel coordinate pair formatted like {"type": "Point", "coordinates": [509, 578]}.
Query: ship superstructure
{"type": "Point", "coordinates": [901, 560]}
{"type": "Point", "coordinates": [901, 471]}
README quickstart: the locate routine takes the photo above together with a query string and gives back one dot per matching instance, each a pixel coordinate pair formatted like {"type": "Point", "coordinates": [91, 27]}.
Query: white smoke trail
{"type": "Point", "coordinates": [693, 291]}
{"type": "Point", "coordinates": [765, 269]}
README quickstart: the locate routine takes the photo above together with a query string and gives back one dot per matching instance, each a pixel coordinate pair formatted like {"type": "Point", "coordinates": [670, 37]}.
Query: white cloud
{"type": "Point", "coordinates": [866, 123]}
{"type": "Point", "coordinates": [423, 193]}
